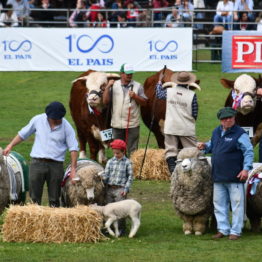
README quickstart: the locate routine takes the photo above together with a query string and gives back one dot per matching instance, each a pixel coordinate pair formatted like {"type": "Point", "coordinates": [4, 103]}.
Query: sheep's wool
{"type": "Point", "coordinates": [33, 223]}
{"type": "Point", "coordinates": [154, 168]}
{"type": "Point", "coordinates": [191, 191]}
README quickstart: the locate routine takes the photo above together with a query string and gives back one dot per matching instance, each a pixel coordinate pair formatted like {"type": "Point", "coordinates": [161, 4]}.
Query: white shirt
{"type": "Point", "coordinates": [222, 7]}
{"type": "Point", "coordinates": [5, 19]}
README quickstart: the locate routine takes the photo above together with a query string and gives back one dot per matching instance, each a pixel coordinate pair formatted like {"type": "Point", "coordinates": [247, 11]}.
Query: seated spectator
{"type": "Point", "coordinates": [158, 15]}
{"type": "Point", "coordinates": [173, 19]}
{"type": "Point", "coordinates": [131, 14]}
{"type": "Point", "coordinates": [117, 4]}
{"type": "Point", "coordinates": [45, 18]}
{"type": "Point", "coordinates": [224, 14]}
{"type": "Point", "coordinates": [259, 22]}
{"type": "Point", "coordinates": [144, 18]}
{"type": "Point", "coordinates": [78, 17]}
{"type": "Point", "coordinates": [22, 10]}
{"type": "Point", "coordinates": [240, 6]}
{"type": "Point", "coordinates": [8, 18]}
{"type": "Point", "coordinates": [121, 20]}
{"type": "Point", "coordinates": [100, 21]}
{"type": "Point", "coordinates": [186, 12]}
{"type": "Point", "coordinates": [136, 4]}
{"type": "Point", "coordinates": [91, 14]}
{"type": "Point", "coordinates": [244, 22]}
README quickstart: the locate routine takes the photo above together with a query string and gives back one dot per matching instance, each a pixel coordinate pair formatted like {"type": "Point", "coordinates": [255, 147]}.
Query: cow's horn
{"type": "Point", "coordinates": [195, 85]}
{"type": "Point", "coordinates": [112, 75]}
{"type": "Point", "coordinates": [80, 78]}
{"type": "Point", "coordinates": [169, 84]}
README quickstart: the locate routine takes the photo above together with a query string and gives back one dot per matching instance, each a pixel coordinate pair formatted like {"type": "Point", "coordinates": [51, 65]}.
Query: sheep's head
{"type": "Point", "coordinates": [87, 177]}
{"type": "Point", "coordinates": [187, 158]}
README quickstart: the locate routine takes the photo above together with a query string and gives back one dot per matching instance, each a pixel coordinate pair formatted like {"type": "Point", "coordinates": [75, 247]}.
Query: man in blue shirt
{"type": "Point", "coordinates": [232, 158]}
{"type": "Point", "coordinates": [53, 136]}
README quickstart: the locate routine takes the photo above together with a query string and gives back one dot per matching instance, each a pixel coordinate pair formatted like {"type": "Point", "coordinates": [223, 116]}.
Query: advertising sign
{"type": "Point", "coordinates": [68, 49]}
{"type": "Point", "coordinates": [241, 51]}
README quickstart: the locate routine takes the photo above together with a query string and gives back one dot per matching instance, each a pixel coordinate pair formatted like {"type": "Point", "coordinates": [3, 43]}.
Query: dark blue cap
{"type": "Point", "coordinates": [55, 110]}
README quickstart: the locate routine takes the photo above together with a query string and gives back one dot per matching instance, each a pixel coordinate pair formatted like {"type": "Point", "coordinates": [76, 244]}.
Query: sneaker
{"type": "Point", "coordinates": [233, 237]}
{"type": "Point", "coordinates": [218, 235]}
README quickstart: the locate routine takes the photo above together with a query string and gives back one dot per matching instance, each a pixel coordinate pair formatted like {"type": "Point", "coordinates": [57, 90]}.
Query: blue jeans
{"type": "Point", "coordinates": [225, 21]}
{"type": "Point", "coordinates": [225, 194]}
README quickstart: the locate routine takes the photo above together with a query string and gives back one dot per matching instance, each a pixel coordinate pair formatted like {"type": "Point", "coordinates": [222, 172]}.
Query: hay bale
{"type": "Point", "coordinates": [155, 166]}
{"type": "Point", "coordinates": [33, 223]}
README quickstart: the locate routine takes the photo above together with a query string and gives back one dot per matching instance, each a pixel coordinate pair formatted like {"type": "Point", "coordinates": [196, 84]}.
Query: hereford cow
{"type": "Point", "coordinates": [243, 97]}
{"type": "Point", "coordinates": [156, 108]}
{"type": "Point", "coordinates": [88, 112]}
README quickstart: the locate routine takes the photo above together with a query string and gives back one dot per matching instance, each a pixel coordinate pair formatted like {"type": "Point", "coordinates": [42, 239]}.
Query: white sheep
{"type": "Point", "coordinates": [191, 190]}
{"type": "Point", "coordinates": [112, 212]}
{"type": "Point", "coordinates": [88, 187]}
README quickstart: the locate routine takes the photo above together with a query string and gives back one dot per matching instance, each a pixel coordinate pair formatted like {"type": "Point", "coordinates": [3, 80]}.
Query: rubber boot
{"type": "Point", "coordinates": [171, 162]}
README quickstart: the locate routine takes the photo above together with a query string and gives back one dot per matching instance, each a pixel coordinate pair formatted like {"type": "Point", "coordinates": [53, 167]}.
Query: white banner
{"type": "Point", "coordinates": [67, 49]}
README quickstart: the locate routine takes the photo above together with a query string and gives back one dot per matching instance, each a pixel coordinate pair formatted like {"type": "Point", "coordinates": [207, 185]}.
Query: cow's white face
{"type": "Point", "coordinates": [95, 84]}
{"type": "Point", "coordinates": [244, 94]}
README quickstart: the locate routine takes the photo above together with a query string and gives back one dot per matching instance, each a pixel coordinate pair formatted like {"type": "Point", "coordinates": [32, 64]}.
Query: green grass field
{"type": "Point", "coordinates": [160, 237]}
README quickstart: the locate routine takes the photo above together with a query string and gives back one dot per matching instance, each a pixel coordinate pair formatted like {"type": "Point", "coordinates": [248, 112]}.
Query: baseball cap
{"type": "Point", "coordinates": [226, 112]}
{"type": "Point", "coordinates": [55, 110]}
{"type": "Point", "coordinates": [127, 69]}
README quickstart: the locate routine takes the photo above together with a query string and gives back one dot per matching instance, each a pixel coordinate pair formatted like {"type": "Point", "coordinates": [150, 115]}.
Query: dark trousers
{"type": "Point", "coordinates": [133, 137]}
{"type": "Point", "coordinates": [50, 172]}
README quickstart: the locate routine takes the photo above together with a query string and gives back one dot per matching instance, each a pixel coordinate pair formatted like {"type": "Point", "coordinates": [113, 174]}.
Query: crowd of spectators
{"type": "Point", "coordinates": [236, 14]}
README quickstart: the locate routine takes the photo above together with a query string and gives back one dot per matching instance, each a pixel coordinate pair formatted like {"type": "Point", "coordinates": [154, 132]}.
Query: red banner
{"type": "Point", "coordinates": [246, 52]}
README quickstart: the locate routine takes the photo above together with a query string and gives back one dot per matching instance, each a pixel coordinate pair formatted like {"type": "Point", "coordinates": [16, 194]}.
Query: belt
{"type": "Point", "coordinates": [114, 186]}
{"type": "Point", "coordinates": [47, 160]}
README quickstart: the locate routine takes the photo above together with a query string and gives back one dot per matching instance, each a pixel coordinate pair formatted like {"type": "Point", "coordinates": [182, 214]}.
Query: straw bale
{"type": "Point", "coordinates": [155, 166]}
{"type": "Point", "coordinates": [34, 223]}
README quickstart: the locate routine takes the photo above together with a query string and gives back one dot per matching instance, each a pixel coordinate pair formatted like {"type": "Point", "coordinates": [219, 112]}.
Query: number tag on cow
{"type": "Point", "coordinates": [106, 134]}
{"type": "Point", "coordinates": [249, 130]}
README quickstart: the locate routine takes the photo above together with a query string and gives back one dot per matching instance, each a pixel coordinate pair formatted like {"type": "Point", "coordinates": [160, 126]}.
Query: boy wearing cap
{"type": "Point", "coordinates": [118, 176]}
{"type": "Point", "coordinates": [53, 136]}
{"type": "Point", "coordinates": [181, 115]}
{"type": "Point", "coordinates": [232, 158]}
{"type": "Point", "coordinates": [126, 96]}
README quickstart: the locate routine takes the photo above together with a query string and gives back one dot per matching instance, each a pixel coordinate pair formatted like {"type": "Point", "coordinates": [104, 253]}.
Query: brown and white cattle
{"type": "Point", "coordinates": [88, 112]}
{"type": "Point", "coordinates": [243, 97]}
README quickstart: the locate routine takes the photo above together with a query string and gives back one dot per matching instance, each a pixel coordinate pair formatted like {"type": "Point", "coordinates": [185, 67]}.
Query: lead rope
{"type": "Point", "coordinates": [128, 117]}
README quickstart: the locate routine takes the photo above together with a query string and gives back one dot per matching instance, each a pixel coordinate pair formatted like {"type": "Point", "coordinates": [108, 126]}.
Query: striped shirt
{"type": "Point", "coordinates": [119, 172]}
{"type": "Point", "coordinates": [161, 94]}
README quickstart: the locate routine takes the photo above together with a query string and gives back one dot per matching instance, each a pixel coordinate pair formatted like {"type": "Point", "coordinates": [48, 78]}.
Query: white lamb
{"type": "Point", "coordinates": [112, 212]}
